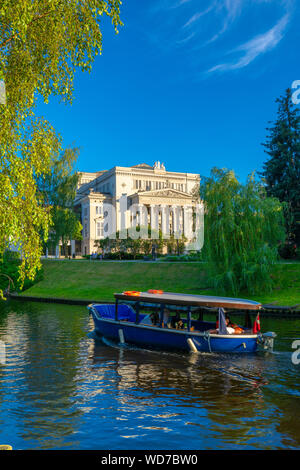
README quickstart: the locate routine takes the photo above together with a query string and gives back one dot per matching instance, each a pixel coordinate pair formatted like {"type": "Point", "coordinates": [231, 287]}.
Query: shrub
{"type": "Point", "coordinates": [9, 270]}
{"type": "Point", "coordinates": [288, 250]}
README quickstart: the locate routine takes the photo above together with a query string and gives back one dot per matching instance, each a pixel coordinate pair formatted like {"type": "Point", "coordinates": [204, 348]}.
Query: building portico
{"type": "Point", "coordinates": [124, 197]}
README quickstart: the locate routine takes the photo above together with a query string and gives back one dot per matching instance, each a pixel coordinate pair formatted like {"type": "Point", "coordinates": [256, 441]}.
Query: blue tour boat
{"type": "Point", "coordinates": [171, 322]}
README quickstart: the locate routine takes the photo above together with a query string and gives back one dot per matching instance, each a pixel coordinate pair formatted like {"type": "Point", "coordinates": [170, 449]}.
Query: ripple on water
{"type": "Point", "coordinates": [61, 387]}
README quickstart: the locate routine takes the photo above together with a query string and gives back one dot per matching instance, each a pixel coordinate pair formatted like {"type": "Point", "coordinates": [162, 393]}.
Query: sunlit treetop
{"type": "Point", "coordinates": [42, 43]}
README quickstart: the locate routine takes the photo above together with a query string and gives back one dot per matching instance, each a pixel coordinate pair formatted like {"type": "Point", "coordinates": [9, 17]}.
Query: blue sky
{"type": "Point", "coordinates": [191, 83]}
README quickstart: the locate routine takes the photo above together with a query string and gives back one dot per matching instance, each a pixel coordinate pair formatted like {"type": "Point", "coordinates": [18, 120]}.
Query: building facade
{"type": "Point", "coordinates": [123, 197]}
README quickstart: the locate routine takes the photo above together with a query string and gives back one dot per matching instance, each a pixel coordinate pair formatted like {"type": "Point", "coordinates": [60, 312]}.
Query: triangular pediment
{"type": "Point", "coordinates": [165, 193]}
{"type": "Point", "coordinates": [143, 166]}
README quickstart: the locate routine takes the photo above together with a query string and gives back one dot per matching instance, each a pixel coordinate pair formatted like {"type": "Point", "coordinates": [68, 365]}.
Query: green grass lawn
{"type": "Point", "coordinates": [96, 280]}
{"type": "Point", "coordinates": [99, 280]}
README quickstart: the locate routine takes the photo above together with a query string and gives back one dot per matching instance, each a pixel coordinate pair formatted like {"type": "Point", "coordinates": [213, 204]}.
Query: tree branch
{"type": "Point", "coordinates": [36, 18]}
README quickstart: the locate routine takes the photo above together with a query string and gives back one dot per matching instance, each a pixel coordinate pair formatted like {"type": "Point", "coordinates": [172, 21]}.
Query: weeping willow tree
{"type": "Point", "coordinates": [243, 228]}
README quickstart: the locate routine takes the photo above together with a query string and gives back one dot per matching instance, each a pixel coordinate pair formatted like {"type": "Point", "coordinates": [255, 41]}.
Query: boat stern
{"type": "Point", "coordinates": [266, 341]}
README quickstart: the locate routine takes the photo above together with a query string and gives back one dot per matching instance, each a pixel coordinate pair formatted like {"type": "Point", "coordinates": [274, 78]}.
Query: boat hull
{"type": "Point", "coordinates": [171, 339]}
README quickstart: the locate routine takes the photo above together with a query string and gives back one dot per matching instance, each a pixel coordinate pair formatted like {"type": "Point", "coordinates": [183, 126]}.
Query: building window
{"type": "Point", "coordinates": [85, 230]}
{"type": "Point", "coordinates": [99, 233]}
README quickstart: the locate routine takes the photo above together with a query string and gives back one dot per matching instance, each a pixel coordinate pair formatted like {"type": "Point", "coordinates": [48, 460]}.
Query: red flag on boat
{"type": "Point", "coordinates": [256, 326]}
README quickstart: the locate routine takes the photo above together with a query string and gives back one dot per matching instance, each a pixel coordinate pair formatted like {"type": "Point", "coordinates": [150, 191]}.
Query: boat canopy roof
{"type": "Point", "coordinates": [171, 298]}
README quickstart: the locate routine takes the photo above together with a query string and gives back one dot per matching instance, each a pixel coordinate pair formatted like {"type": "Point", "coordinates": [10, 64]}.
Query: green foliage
{"type": "Point", "coordinates": [190, 257]}
{"type": "Point", "coordinates": [282, 170]}
{"type": "Point", "coordinates": [243, 228]}
{"type": "Point", "coordinates": [122, 243]}
{"type": "Point", "coordinates": [288, 250]}
{"type": "Point", "coordinates": [42, 44]}
{"type": "Point", "coordinates": [58, 186]}
{"type": "Point", "coordinates": [66, 227]}
{"type": "Point", "coordinates": [49, 40]}
{"type": "Point", "coordinates": [57, 190]}
{"type": "Point", "coordinates": [119, 245]}
{"type": "Point", "coordinates": [176, 244]}
{"type": "Point", "coordinates": [10, 276]}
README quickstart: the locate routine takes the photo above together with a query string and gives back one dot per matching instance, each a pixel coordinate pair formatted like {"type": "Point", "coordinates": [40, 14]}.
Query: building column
{"type": "Point", "coordinates": [165, 221]}
{"type": "Point", "coordinates": [176, 210]}
{"type": "Point", "coordinates": [153, 220]}
{"type": "Point", "coordinates": [181, 220]}
{"type": "Point", "coordinates": [188, 221]}
{"type": "Point", "coordinates": [73, 252]}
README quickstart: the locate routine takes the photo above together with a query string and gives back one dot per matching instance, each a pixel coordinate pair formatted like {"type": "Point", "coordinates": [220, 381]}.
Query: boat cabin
{"type": "Point", "coordinates": [177, 311]}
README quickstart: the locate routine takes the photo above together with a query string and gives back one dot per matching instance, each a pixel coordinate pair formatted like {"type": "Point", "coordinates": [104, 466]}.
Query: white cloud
{"type": "Point", "coordinates": [255, 47]}
{"type": "Point", "coordinates": [198, 15]}
{"type": "Point", "coordinates": [189, 28]}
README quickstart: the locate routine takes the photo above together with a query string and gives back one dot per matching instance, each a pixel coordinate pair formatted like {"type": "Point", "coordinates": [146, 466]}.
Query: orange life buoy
{"type": "Point", "coordinates": [154, 291]}
{"type": "Point", "coordinates": [238, 331]}
{"type": "Point", "coordinates": [132, 292]}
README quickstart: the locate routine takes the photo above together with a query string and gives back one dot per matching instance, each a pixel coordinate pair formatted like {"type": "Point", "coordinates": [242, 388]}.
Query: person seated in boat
{"type": "Point", "coordinates": [229, 326]}
{"type": "Point", "coordinates": [176, 322]}
{"type": "Point", "coordinates": [166, 317]}
{"type": "Point", "coordinates": [232, 328]}
{"type": "Point", "coordinates": [154, 318]}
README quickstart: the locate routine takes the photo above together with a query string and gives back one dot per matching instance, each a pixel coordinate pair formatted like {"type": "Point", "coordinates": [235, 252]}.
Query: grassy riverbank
{"type": "Point", "coordinates": [98, 280]}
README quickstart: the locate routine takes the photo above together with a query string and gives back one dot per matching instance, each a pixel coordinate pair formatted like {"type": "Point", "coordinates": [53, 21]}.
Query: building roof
{"type": "Point", "coordinates": [142, 166]}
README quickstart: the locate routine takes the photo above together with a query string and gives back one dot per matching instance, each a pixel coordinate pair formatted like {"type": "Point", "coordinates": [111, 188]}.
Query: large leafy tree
{"type": "Point", "coordinates": [42, 43]}
{"type": "Point", "coordinates": [57, 190]}
{"type": "Point", "coordinates": [281, 171]}
{"type": "Point", "coordinates": [58, 186]}
{"type": "Point", "coordinates": [243, 228]}
{"type": "Point", "coordinates": [66, 227]}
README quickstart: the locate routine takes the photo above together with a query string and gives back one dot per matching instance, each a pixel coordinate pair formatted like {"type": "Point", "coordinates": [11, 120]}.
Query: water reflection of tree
{"type": "Point", "coordinates": [239, 401]}
{"type": "Point", "coordinates": [283, 397]}
{"type": "Point", "coordinates": [289, 423]}
{"type": "Point", "coordinates": [46, 411]}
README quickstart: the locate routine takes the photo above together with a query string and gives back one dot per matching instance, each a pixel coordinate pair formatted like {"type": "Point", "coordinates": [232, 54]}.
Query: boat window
{"type": "Point", "coordinates": [146, 320]}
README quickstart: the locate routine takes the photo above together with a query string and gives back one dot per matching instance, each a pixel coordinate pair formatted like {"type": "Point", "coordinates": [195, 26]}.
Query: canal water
{"type": "Point", "coordinates": [60, 388]}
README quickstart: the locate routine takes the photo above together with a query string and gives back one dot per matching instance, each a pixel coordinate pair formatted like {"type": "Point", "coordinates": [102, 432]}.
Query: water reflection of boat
{"type": "Point", "coordinates": [172, 323]}
{"type": "Point", "coordinates": [185, 377]}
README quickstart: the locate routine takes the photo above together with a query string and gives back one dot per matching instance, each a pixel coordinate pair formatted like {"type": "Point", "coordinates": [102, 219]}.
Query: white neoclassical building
{"type": "Point", "coordinates": [122, 197]}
